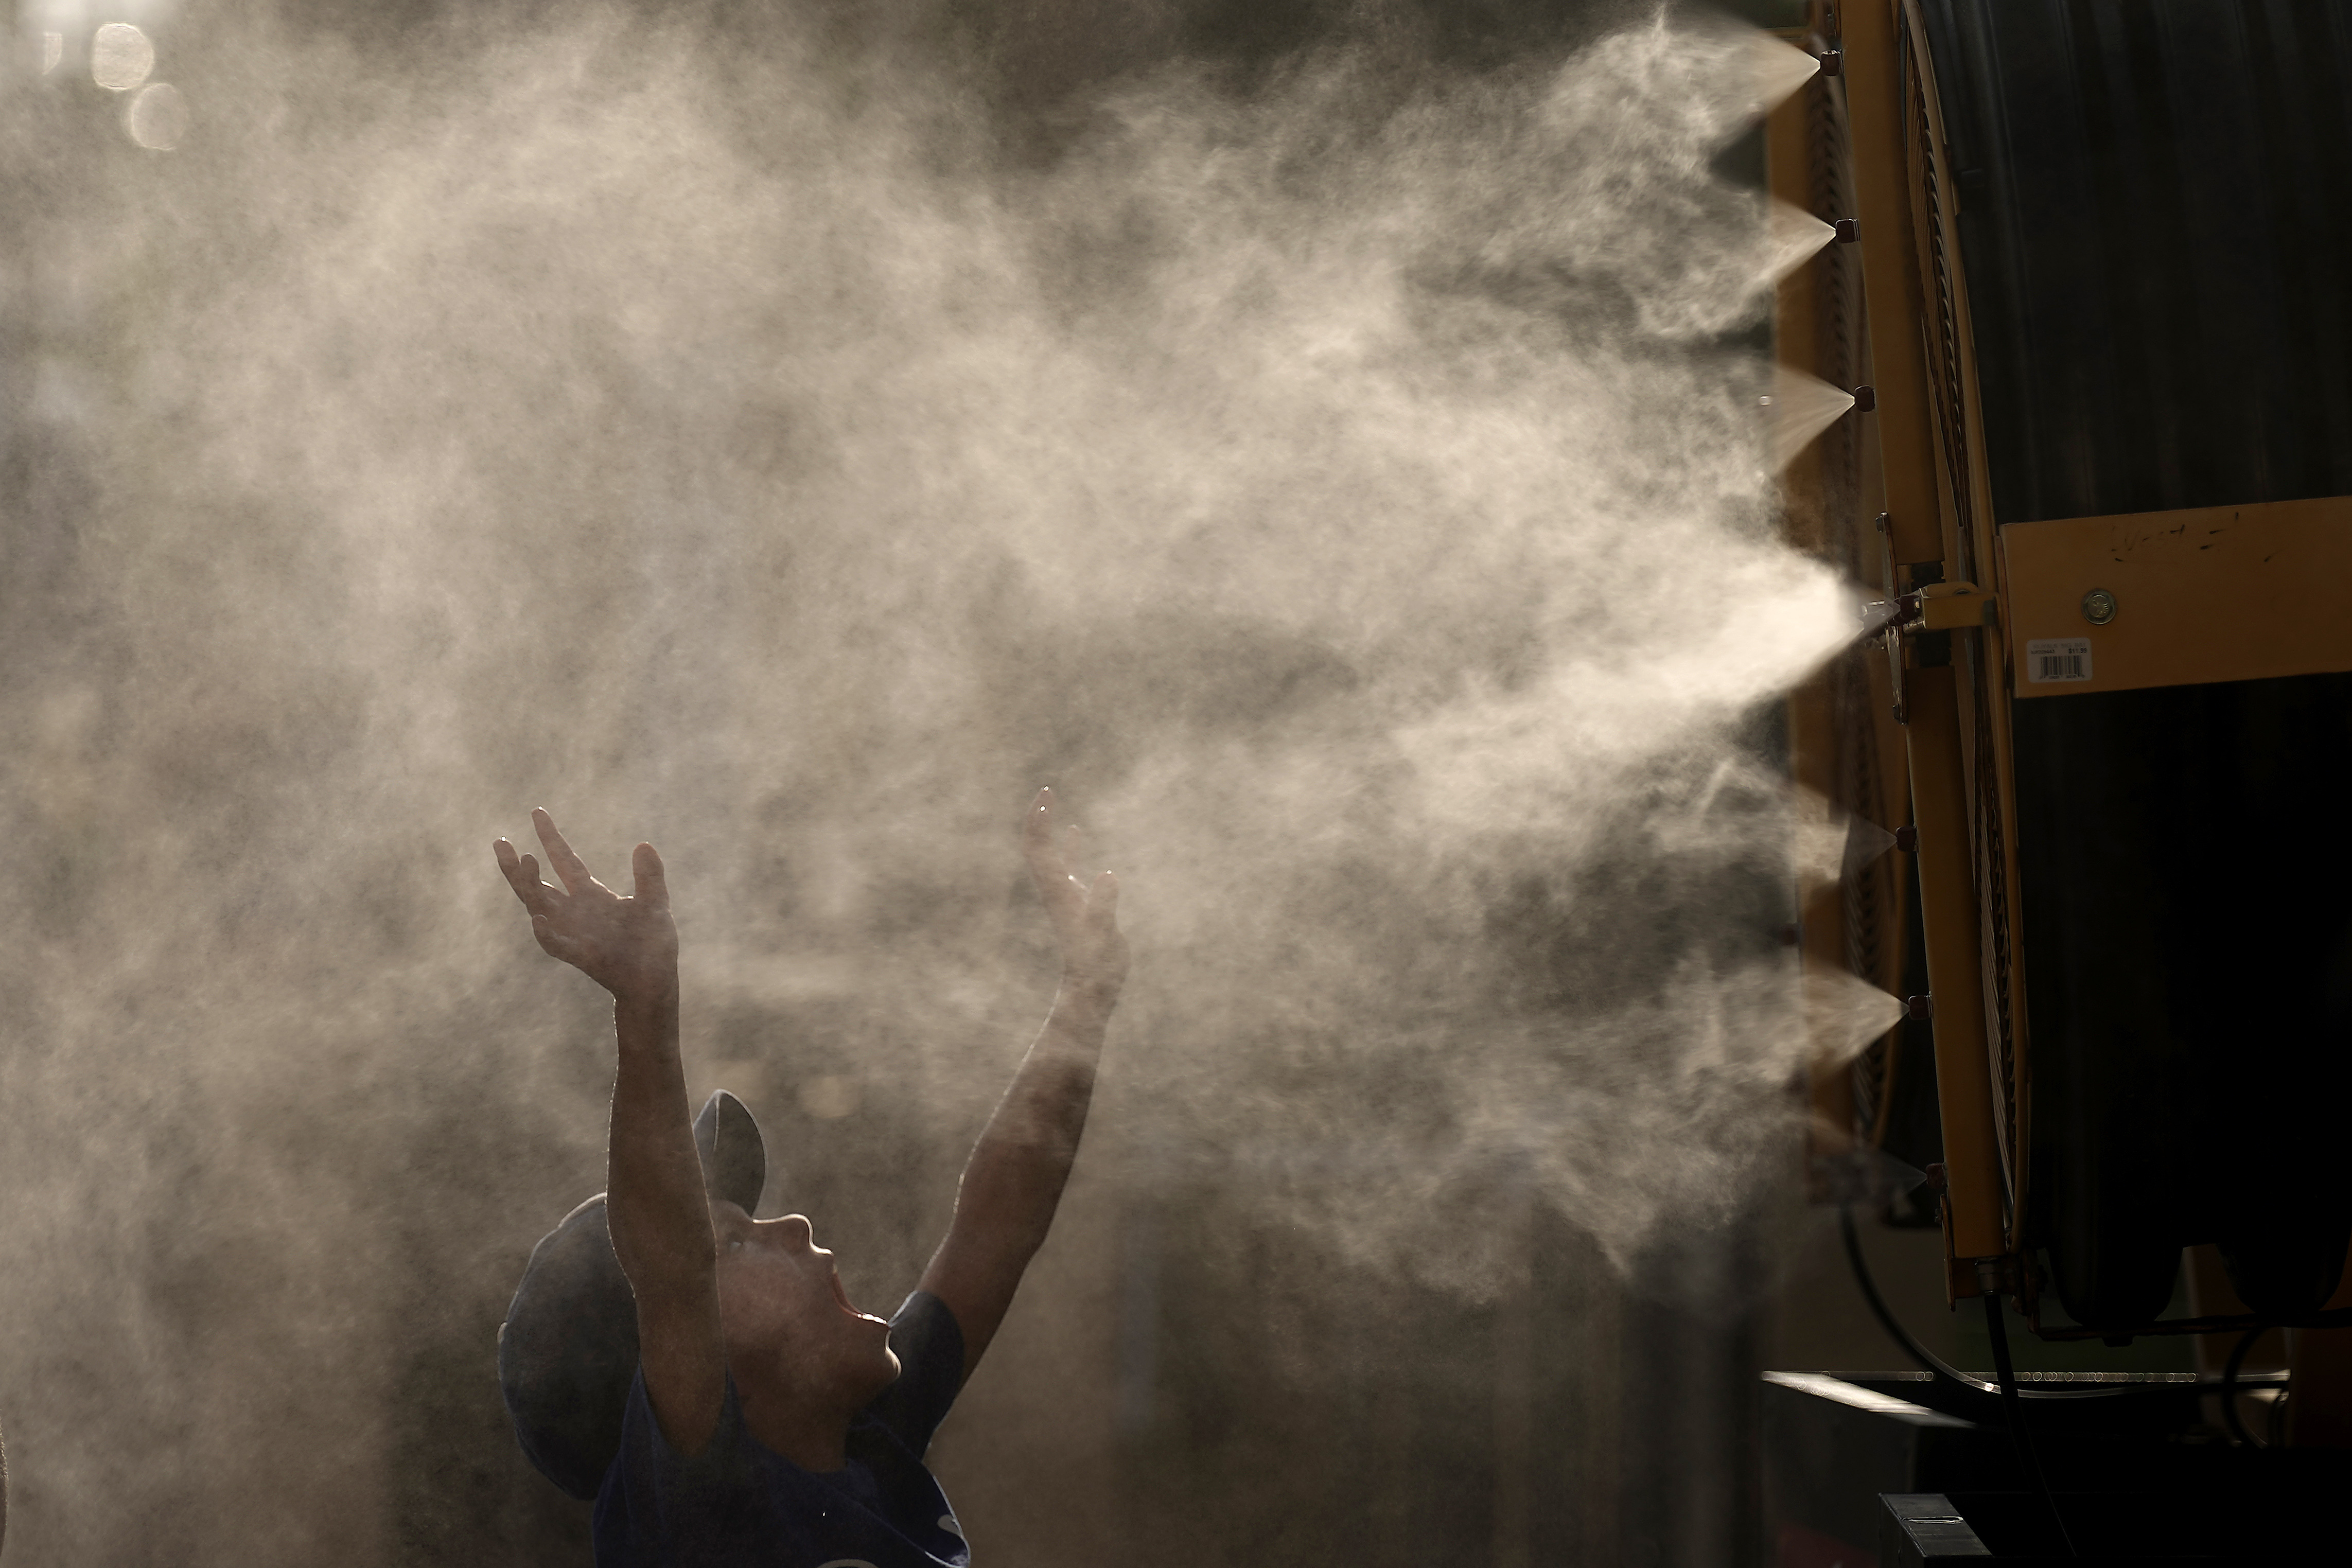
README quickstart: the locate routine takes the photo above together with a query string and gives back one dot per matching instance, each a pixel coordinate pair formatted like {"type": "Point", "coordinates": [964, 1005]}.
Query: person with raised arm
{"type": "Point", "coordinates": [699, 1372]}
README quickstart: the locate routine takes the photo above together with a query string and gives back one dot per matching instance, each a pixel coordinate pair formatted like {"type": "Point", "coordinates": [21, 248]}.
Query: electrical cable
{"type": "Point", "coordinates": [2014, 1408]}
{"type": "Point", "coordinates": [1928, 1361]}
{"type": "Point", "coordinates": [2230, 1370]}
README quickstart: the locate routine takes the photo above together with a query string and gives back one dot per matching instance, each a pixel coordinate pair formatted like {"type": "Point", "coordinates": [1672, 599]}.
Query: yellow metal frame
{"type": "Point", "coordinates": [1890, 266]}
{"type": "Point", "coordinates": [2220, 594]}
{"type": "Point", "coordinates": [1950, 922]}
{"type": "Point", "coordinates": [1928, 451]}
{"type": "Point", "coordinates": [1980, 961]}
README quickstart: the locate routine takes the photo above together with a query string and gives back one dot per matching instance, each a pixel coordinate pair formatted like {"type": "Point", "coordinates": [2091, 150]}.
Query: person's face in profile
{"type": "Point", "coordinates": [784, 1316]}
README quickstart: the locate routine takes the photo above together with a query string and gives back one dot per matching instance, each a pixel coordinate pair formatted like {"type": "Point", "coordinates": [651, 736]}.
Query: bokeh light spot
{"type": "Point", "coordinates": [157, 117]}
{"type": "Point", "coordinates": [830, 1096]}
{"type": "Point", "coordinates": [119, 57]}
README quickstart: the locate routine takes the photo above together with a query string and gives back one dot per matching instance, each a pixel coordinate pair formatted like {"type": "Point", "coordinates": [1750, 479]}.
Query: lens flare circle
{"type": "Point", "coordinates": [157, 119]}
{"type": "Point", "coordinates": [121, 57]}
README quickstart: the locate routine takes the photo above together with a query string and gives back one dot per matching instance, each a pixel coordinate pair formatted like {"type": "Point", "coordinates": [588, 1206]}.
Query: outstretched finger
{"type": "Point", "coordinates": [652, 880]}
{"type": "Point", "coordinates": [569, 868]}
{"type": "Point", "coordinates": [1102, 902]}
{"type": "Point", "coordinates": [1063, 898]}
{"type": "Point", "coordinates": [522, 876]}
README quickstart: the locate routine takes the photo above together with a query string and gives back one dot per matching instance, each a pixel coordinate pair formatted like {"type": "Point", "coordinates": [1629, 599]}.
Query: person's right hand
{"type": "Point", "coordinates": [628, 945]}
{"type": "Point", "coordinates": [1085, 914]}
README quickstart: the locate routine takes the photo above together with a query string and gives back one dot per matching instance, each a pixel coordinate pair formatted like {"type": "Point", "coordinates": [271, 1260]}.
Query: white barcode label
{"type": "Point", "coordinates": [2050, 659]}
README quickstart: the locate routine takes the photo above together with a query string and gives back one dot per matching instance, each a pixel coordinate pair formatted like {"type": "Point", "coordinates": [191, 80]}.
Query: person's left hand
{"type": "Point", "coordinates": [1085, 914]}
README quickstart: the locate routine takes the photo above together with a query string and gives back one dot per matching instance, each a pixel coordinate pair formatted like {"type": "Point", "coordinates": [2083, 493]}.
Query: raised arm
{"type": "Point", "coordinates": [655, 1201]}
{"type": "Point", "coordinates": [1013, 1180]}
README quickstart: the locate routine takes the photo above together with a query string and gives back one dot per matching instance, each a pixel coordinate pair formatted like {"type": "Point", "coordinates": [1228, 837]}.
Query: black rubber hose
{"type": "Point", "coordinates": [1927, 1360]}
{"type": "Point", "coordinates": [2230, 1370]}
{"type": "Point", "coordinates": [2014, 1408]}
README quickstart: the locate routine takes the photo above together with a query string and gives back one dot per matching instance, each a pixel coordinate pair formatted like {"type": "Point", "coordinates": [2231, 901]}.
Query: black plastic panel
{"type": "Point", "coordinates": [2157, 227]}
{"type": "Point", "coordinates": [2188, 941]}
{"type": "Point", "coordinates": [2155, 216]}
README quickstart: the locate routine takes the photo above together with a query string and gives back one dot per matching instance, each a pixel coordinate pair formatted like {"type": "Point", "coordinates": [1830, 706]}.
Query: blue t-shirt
{"type": "Point", "coordinates": [739, 1504]}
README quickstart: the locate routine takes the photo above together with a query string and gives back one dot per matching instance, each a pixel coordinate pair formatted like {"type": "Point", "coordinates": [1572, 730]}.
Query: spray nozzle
{"type": "Point", "coordinates": [1933, 606]}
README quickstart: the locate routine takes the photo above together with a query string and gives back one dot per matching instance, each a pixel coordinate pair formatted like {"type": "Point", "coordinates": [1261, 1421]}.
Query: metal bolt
{"type": "Point", "coordinates": [2098, 607]}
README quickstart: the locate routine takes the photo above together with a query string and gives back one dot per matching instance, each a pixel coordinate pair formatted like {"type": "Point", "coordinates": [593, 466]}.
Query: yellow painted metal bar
{"type": "Point", "coordinates": [1890, 269]}
{"type": "Point", "coordinates": [1948, 606]}
{"type": "Point", "coordinates": [1947, 904]}
{"type": "Point", "coordinates": [1964, 489]}
{"type": "Point", "coordinates": [2211, 593]}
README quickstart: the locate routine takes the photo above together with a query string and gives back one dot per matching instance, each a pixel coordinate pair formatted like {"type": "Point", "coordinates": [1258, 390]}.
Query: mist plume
{"type": "Point", "coordinates": [1345, 485]}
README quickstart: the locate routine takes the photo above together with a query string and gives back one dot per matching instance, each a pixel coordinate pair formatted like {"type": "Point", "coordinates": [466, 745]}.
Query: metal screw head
{"type": "Point", "coordinates": [2098, 607]}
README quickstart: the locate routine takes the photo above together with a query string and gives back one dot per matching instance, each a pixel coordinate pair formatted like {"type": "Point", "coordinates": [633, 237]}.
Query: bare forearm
{"type": "Point", "coordinates": [660, 1220]}
{"type": "Point", "coordinates": [1014, 1181]}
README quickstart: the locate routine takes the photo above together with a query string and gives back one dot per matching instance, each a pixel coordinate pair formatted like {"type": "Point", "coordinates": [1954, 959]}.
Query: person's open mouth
{"type": "Point", "coordinates": [842, 1296]}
